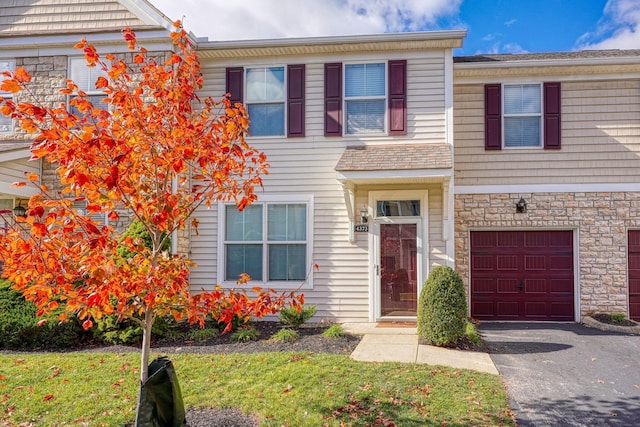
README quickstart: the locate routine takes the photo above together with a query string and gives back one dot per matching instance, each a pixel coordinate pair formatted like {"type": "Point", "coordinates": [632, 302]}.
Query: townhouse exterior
{"type": "Point", "coordinates": [390, 156]}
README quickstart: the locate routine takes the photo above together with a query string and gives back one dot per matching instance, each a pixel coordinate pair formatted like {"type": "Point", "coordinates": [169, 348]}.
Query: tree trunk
{"type": "Point", "coordinates": [147, 326]}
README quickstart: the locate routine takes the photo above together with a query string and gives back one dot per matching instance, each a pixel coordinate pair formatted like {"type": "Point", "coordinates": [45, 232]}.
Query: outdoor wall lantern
{"type": "Point", "coordinates": [521, 206]}
{"type": "Point", "coordinates": [20, 210]}
{"type": "Point", "coordinates": [364, 215]}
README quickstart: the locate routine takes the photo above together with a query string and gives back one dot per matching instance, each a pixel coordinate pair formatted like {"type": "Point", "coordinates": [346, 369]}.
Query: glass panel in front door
{"type": "Point", "coordinates": [398, 269]}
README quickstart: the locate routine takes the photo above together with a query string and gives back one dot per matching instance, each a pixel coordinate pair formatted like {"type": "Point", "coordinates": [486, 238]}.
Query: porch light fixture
{"type": "Point", "coordinates": [20, 210]}
{"type": "Point", "coordinates": [364, 215]}
{"type": "Point", "coordinates": [521, 206]}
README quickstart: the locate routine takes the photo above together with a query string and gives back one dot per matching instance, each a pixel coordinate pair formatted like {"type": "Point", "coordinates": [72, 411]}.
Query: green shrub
{"type": "Point", "coordinates": [290, 316]}
{"type": "Point", "coordinates": [471, 333]}
{"type": "Point", "coordinates": [19, 325]}
{"type": "Point", "coordinates": [202, 334]}
{"type": "Point", "coordinates": [618, 317]}
{"type": "Point", "coordinates": [442, 308]}
{"type": "Point", "coordinates": [136, 230]}
{"type": "Point", "coordinates": [285, 335]}
{"type": "Point", "coordinates": [333, 331]}
{"type": "Point", "coordinates": [244, 335]}
{"type": "Point", "coordinates": [127, 331]}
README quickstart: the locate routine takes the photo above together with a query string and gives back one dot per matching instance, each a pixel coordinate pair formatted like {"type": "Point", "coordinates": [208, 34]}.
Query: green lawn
{"type": "Point", "coordinates": [281, 389]}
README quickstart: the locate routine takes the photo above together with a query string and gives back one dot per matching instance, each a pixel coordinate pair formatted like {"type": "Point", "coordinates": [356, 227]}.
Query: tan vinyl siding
{"type": "Point", "coordinates": [600, 139]}
{"type": "Point", "coordinates": [48, 16]}
{"type": "Point", "coordinates": [305, 166]}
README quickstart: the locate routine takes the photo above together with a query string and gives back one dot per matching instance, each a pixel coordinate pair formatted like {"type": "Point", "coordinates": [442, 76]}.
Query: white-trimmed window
{"type": "Point", "coordinates": [6, 123]}
{"type": "Point", "coordinates": [265, 100]}
{"type": "Point", "coordinates": [85, 77]}
{"type": "Point", "coordinates": [522, 115]}
{"type": "Point", "coordinates": [365, 98]}
{"type": "Point", "coordinates": [269, 240]}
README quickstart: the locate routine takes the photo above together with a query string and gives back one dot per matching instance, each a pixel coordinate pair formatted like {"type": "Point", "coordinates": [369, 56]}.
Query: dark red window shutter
{"type": "Point", "coordinates": [295, 100]}
{"type": "Point", "coordinates": [235, 84]}
{"type": "Point", "coordinates": [492, 117]}
{"type": "Point", "coordinates": [552, 135]}
{"type": "Point", "coordinates": [333, 99]}
{"type": "Point", "coordinates": [398, 97]}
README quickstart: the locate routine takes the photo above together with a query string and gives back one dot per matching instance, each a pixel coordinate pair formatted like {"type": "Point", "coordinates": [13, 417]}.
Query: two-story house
{"type": "Point", "coordinates": [358, 131]}
{"type": "Point", "coordinates": [547, 183]}
{"type": "Point", "coordinates": [390, 156]}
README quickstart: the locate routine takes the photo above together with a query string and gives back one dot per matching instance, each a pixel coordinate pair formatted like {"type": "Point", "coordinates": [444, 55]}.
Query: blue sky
{"type": "Point", "coordinates": [494, 26]}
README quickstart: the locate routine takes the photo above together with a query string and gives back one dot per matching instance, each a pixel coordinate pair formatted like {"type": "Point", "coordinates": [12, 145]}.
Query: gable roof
{"type": "Point", "coordinates": [34, 17]}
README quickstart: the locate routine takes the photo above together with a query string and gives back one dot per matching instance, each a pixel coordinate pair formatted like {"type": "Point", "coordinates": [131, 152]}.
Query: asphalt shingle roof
{"type": "Point", "coordinates": [395, 157]}
{"type": "Point", "coordinates": [583, 54]}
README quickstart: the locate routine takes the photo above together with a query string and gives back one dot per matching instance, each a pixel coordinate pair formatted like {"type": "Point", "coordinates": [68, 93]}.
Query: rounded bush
{"type": "Point", "coordinates": [19, 325]}
{"type": "Point", "coordinates": [442, 308]}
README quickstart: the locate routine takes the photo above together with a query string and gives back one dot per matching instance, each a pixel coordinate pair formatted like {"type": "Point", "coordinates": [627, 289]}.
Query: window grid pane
{"type": "Point", "coordinates": [6, 66]}
{"type": "Point", "coordinates": [243, 226]}
{"type": "Point", "coordinates": [243, 259]}
{"type": "Point", "coordinates": [522, 131]}
{"type": "Point", "coordinates": [287, 262]}
{"type": "Point", "coordinates": [364, 80]}
{"type": "Point", "coordinates": [85, 77]}
{"type": "Point", "coordinates": [266, 119]}
{"type": "Point", "coordinates": [365, 116]}
{"type": "Point", "coordinates": [398, 208]}
{"type": "Point", "coordinates": [287, 222]}
{"type": "Point", "coordinates": [265, 84]}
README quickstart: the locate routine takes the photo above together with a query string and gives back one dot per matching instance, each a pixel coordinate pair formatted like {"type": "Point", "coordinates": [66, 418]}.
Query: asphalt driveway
{"type": "Point", "coordinates": [561, 374]}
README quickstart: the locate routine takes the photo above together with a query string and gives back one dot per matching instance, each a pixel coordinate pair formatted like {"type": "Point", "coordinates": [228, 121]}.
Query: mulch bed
{"type": "Point", "coordinates": [608, 319]}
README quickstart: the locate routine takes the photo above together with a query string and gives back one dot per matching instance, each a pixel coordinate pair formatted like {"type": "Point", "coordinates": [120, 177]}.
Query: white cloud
{"type": "Point", "coordinates": [619, 28]}
{"type": "Point", "coordinates": [499, 47]}
{"type": "Point", "coordinates": [510, 22]}
{"type": "Point", "coordinates": [256, 19]}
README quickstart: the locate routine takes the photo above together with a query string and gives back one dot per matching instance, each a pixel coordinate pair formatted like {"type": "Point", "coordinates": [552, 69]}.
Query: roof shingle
{"type": "Point", "coordinates": [395, 157]}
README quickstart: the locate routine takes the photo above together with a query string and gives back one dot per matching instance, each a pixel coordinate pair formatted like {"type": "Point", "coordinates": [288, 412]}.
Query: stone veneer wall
{"type": "Point", "coordinates": [601, 220]}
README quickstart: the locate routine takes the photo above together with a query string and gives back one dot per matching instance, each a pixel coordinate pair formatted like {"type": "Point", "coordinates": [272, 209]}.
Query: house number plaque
{"type": "Point", "coordinates": [361, 228]}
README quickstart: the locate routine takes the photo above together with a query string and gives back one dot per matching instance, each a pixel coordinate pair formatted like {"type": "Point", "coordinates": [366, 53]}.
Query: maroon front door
{"type": "Point", "coordinates": [634, 275]}
{"type": "Point", "coordinates": [522, 275]}
{"type": "Point", "coordinates": [398, 269]}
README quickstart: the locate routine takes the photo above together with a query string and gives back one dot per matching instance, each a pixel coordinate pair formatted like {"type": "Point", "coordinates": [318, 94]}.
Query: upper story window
{"type": "Point", "coordinates": [371, 100]}
{"type": "Point", "coordinates": [6, 123]}
{"type": "Point", "coordinates": [268, 240]}
{"type": "Point", "coordinates": [274, 98]}
{"type": "Point", "coordinates": [85, 77]}
{"type": "Point", "coordinates": [522, 115]}
{"type": "Point", "coordinates": [365, 98]}
{"type": "Point", "coordinates": [265, 101]}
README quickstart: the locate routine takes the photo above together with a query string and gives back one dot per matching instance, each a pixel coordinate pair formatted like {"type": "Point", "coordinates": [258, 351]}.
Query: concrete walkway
{"type": "Point", "coordinates": [401, 344]}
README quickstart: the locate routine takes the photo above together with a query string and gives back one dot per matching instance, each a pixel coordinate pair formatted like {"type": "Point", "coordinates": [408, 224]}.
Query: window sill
{"type": "Point", "coordinates": [292, 285]}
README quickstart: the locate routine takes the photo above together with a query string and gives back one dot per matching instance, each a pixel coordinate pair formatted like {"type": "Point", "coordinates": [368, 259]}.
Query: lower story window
{"type": "Point", "coordinates": [268, 241]}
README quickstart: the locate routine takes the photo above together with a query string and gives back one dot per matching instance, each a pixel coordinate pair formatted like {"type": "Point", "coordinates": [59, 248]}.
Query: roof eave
{"type": "Point", "coordinates": [309, 45]}
{"type": "Point", "coordinates": [618, 60]}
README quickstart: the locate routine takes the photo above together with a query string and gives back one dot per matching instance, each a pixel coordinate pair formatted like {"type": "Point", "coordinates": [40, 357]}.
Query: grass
{"type": "Point", "coordinates": [280, 389]}
{"type": "Point", "coordinates": [333, 331]}
{"type": "Point", "coordinates": [285, 335]}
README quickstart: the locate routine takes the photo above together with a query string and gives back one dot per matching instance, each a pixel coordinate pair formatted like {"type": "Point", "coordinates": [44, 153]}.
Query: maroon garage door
{"type": "Point", "coordinates": [522, 275]}
{"type": "Point", "coordinates": [634, 275]}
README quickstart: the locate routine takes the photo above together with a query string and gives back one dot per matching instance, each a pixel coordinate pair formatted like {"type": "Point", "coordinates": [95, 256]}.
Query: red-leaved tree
{"type": "Point", "coordinates": [157, 152]}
